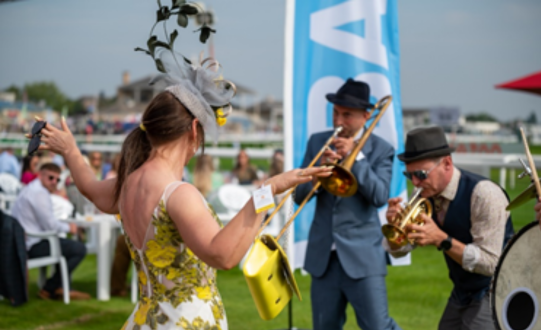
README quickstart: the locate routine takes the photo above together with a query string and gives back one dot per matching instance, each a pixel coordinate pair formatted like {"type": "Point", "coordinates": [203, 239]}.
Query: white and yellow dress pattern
{"type": "Point", "coordinates": [176, 289]}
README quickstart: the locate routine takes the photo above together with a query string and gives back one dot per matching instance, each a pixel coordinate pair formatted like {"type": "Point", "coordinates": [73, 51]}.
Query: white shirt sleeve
{"type": "Point", "coordinates": [42, 208]}
{"type": "Point", "coordinates": [398, 253]}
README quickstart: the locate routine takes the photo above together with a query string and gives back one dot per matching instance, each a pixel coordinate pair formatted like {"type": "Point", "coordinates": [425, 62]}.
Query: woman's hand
{"type": "Point", "coordinates": [59, 141]}
{"type": "Point", "coordinates": [284, 181]}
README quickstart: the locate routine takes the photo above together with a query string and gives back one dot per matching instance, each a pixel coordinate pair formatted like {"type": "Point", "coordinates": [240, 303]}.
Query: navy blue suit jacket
{"type": "Point", "coordinates": [352, 223]}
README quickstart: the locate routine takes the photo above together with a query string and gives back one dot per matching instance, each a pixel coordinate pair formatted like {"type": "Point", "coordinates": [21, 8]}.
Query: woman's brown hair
{"type": "Point", "coordinates": [165, 120]}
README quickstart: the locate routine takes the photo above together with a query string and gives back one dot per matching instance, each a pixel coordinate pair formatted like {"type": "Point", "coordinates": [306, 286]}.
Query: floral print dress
{"type": "Point", "coordinates": [176, 289]}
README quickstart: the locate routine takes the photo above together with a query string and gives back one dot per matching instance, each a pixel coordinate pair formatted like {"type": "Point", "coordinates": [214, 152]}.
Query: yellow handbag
{"type": "Point", "coordinates": [269, 277]}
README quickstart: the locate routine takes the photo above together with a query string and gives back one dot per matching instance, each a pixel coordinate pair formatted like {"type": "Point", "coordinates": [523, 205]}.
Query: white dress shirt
{"type": "Point", "coordinates": [33, 208]}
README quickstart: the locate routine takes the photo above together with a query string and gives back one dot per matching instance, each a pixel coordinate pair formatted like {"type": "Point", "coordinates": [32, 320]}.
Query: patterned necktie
{"type": "Point", "coordinates": [440, 210]}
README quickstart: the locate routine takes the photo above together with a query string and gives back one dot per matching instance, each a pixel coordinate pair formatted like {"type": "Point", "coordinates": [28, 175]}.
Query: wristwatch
{"type": "Point", "coordinates": [446, 244]}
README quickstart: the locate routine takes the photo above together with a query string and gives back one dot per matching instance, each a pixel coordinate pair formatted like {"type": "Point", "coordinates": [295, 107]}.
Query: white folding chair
{"type": "Point", "coordinates": [10, 184]}
{"type": "Point", "coordinates": [6, 202]}
{"type": "Point", "coordinates": [54, 258]}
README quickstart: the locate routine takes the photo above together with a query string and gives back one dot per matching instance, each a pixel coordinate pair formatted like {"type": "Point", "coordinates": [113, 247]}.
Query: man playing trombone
{"type": "Point", "coordinates": [469, 224]}
{"type": "Point", "coordinates": [344, 254]}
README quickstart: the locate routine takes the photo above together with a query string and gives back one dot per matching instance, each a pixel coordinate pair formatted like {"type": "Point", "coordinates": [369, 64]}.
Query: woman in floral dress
{"type": "Point", "coordinates": [175, 239]}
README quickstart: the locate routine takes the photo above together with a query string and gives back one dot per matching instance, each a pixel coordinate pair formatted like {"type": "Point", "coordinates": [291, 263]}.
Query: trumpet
{"type": "Point", "coordinates": [342, 182]}
{"type": "Point", "coordinates": [395, 232]}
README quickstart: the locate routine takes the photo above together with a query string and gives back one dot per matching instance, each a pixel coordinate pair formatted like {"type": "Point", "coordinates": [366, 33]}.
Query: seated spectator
{"type": "Point", "coordinates": [34, 210]}
{"type": "Point", "coordinates": [30, 169]}
{"type": "Point", "coordinates": [9, 163]}
{"type": "Point", "coordinates": [205, 178]}
{"type": "Point", "coordinates": [277, 163]}
{"type": "Point", "coordinates": [112, 173]}
{"type": "Point", "coordinates": [96, 160]}
{"type": "Point", "coordinates": [244, 173]}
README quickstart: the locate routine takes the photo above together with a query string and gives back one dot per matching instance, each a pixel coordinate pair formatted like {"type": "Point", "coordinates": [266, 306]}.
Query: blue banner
{"type": "Point", "coordinates": [333, 40]}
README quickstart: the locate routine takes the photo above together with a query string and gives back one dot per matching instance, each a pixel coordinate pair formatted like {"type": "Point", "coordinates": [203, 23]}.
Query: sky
{"type": "Point", "coordinates": [452, 52]}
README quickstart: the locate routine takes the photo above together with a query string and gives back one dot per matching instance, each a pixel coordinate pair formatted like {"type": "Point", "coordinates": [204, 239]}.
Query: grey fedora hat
{"type": "Point", "coordinates": [426, 142]}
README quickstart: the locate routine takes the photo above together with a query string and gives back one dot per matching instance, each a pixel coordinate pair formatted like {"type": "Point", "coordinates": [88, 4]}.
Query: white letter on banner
{"type": "Point", "coordinates": [317, 103]}
{"type": "Point", "coordinates": [380, 87]}
{"type": "Point", "coordinates": [323, 30]}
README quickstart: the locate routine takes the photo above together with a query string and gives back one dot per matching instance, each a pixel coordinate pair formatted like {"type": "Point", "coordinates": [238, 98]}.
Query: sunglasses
{"type": "Point", "coordinates": [54, 178]}
{"type": "Point", "coordinates": [35, 140]}
{"type": "Point", "coordinates": [420, 174]}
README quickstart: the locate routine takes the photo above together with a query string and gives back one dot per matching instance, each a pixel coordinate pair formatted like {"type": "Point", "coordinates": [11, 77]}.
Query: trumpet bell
{"type": "Point", "coordinates": [411, 215]}
{"type": "Point", "coordinates": [341, 182]}
{"type": "Point", "coordinates": [394, 234]}
{"type": "Point", "coordinates": [524, 197]}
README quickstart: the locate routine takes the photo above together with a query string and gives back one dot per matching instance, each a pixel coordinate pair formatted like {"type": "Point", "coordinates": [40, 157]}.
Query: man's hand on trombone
{"type": "Point", "coordinates": [343, 145]}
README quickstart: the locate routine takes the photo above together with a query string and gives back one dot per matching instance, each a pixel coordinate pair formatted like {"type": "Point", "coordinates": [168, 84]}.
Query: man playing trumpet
{"type": "Point", "coordinates": [344, 253]}
{"type": "Point", "coordinates": [469, 224]}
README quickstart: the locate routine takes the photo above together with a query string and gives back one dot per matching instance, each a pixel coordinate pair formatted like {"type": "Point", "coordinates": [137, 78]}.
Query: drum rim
{"type": "Point", "coordinates": [499, 265]}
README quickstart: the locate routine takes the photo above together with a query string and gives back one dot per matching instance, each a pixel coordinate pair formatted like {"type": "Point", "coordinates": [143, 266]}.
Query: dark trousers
{"type": "Point", "coordinates": [121, 264]}
{"type": "Point", "coordinates": [73, 251]}
{"type": "Point", "coordinates": [331, 292]}
{"type": "Point", "coordinates": [474, 316]}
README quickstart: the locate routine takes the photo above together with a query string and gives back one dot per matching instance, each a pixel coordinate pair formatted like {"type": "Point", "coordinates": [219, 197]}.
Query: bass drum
{"type": "Point", "coordinates": [516, 289]}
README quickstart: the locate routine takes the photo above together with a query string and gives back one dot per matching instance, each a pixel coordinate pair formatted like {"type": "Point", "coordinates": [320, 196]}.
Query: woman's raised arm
{"type": "Point", "coordinates": [62, 142]}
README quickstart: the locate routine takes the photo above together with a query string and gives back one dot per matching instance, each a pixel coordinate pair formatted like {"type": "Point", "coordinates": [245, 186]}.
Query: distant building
{"type": "Point", "coordinates": [481, 127]}
{"type": "Point", "coordinates": [415, 117]}
{"type": "Point", "coordinates": [132, 98]}
{"type": "Point", "coordinates": [267, 114]}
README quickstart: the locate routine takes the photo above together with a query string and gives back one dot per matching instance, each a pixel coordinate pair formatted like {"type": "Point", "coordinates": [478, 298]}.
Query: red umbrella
{"type": "Point", "coordinates": [531, 83]}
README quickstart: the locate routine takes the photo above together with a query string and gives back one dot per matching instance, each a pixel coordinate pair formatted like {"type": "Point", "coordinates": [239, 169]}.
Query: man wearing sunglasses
{"type": "Point", "coordinates": [469, 224]}
{"type": "Point", "coordinates": [33, 208]}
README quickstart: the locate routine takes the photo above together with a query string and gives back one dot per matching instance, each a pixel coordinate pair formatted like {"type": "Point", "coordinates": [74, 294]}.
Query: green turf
{"type": "Point", "coordinates": [417, 295]}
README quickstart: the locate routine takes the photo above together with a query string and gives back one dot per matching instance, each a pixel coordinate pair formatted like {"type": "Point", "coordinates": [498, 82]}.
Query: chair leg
{"type": "Point", "coordinates": [42, 276]}
{"type": "Point", "coordinates": [65, 280]}
{"type": "Point", "coordinates": [134, 287]}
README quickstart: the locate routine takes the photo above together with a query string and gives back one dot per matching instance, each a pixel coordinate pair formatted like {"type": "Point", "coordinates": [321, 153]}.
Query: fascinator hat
{"type": "Point", "coordinates": [200, 87]}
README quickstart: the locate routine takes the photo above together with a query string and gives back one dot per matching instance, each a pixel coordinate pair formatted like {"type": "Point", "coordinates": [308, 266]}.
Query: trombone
{"type": "Point", "coordinates": [266, 269]}
{"type": "Point", "coordinates": [342, 182]}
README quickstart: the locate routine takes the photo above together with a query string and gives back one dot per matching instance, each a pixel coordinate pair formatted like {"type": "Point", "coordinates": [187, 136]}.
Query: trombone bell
{"type": "Point", "coordinates": [411, 215]}
{"type": "Point", "coordinates": [341, 182]}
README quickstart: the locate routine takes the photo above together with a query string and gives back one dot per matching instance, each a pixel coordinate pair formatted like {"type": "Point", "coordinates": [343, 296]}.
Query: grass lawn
{"type": "Point", "coordinates": [417, 295]}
